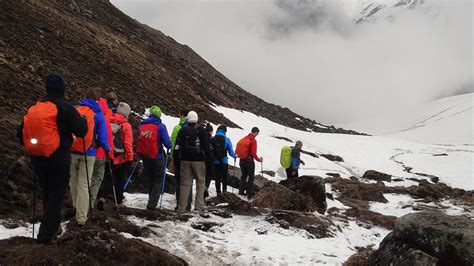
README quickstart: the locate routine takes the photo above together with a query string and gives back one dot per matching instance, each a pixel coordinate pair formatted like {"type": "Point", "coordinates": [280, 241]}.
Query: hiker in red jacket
{"type": "Point", "coordinates": [246, 150]}
{"type": "Point", "coordinates": [123, 154]}
{"type": "Point", "coordinates": [101, 156]}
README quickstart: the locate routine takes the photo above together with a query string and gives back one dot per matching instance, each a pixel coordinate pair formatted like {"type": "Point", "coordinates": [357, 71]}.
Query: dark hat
{"type": "Point", "coordinates": [223, 128]}
{"type": "Point", "coordinates": [209, 127]}
{"type": "Point", "coordinates": [55, 83]}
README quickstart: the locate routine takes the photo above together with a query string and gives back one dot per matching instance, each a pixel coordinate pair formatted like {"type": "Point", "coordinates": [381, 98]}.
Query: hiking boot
{"type": "Point", "coordinates": [100, 204]}
{"type": "Point", "coordinates": [151, 208]}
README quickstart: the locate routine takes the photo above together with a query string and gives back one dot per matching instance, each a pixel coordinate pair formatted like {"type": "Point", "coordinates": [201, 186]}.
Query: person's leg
{"type": "Point", "coordinates": [82, 197]}
{"type": "Point", "coordinates": [177, 179]}
{"type": "Point", "coordinates": [288, 173]}
{"type": "Point", "coordinates": [243, 178]}
{"type": "Point", "coordinates": [186, 184]}
{"type": "Point", "coordinates": [157, 182]}
{"type": "Point", "coordinates": [56, 179]}
{"type": "Point", "coordinates": [119, 178]}
{"type": "Point", "coordinates": [297, 174]}
{"type": "Point", "coordinates": [74, 169]}
{"type": "Point", "coordinates": [224, 173]}
{"type": "Point", "coordinates": [97, 177]}
{"type": "Point", "coordinates": [199, 172]}
{"type": "Point", "coordinates": [251, 173]}
{"type": "Point", "coordinates": [218, 174]}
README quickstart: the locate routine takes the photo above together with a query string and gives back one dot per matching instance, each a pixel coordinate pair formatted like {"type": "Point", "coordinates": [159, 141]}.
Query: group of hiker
{"type": "Point", "coordinates": [90, 149]}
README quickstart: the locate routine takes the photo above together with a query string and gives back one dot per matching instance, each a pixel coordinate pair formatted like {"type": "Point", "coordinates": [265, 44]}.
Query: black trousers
{"type": "Point", "coordinates": [209, 173]}
{"type": "Point", "coordinates": [54, 180]}
{"type": "Point", "coordinates": [177, 185]}
{"type": "Point", "coordinates": [119, 172]}
{"type": "Point", "coordinates": [289, 173]}
{"type": "Point", "coordinates": [155, 170]}
{"type": "Point", "coordinates": [248, 171]}
{"type": "Point", "coordinates": [221, 171]}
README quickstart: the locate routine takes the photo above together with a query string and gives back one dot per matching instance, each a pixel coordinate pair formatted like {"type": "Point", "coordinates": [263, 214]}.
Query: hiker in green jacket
{"type": "Point", "coordinates": [183, 121]}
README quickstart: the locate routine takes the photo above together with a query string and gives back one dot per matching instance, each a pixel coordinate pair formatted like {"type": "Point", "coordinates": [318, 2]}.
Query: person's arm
{"type": "Point", "coordinates": [128, 141]}
{"type": "Point", "coordinates": [102, 137]}
{"type": "Point", "coordinates": [204, 138]}
{"type": "Point", "coordinates": [165, 138]}
{"type": "Point", "coordinates": [176, 148]}
{"type": "Point", "coordinates": [230, 149]}
{"type": "Point", "coordinates": [174, 136]}
{"type": "Point", "coordinates": [253, 150]}
{"type": "Point", "coordinates": [77, 124]}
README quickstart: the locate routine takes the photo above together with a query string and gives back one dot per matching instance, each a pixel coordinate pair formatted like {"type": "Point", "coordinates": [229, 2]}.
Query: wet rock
{"type": "Point", "coordinates": [205, 226]}
{"type": "Point", "coordinates": [316, 226]}
{"type": "Point", "coordinates": [332, 157]}
{"type": "Point", "coordinates": [371, 217]}
{"type": "Point", "coordinates": [360, 258]}
{"type": "Point", "coordinates": [268, 172]}
{"type": "Point", "coordinates": [310, 187]}
{"type": "Point", "coordinates": [279, 197]}
{"type": "Point", "coordinates": [440, 154]}
{"type": "Point", "coordinates": [261, 231]}
{"type": "Point", "coordinates": [233, 203]}
{"type": "Point", "coordinates": [428, 238]}
{"type": "Point", "coordinates": [377, 176]}
{"type": "Point", "coordinates": [334, 174]}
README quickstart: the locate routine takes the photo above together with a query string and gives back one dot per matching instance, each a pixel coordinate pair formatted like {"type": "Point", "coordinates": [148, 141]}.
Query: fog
{"type": "Point", "coordinates": [310, 56]}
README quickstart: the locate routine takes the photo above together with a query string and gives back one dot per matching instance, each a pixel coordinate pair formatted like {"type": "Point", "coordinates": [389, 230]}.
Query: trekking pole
{"type": "Point", "coordinates": [34, 206]}
{"type": "Point", "coordinates": [261, 167]}
{"type": "Point", "coordinates": [164, 180]}
{"type": "Point", "coordinates": [234, 176]}
{"type": "Point", "coordinates": [87, 175]}
{"type": "Point", "coordinates": [130, 177]}
{"type": "Point", "coordinates": [113, 187]}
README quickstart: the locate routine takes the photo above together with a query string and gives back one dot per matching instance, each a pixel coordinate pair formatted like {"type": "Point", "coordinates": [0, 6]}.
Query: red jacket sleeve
{"type": "Point", "coordinates": [128, 140]}
{"type": "Point", "coordinates": [253, 150]}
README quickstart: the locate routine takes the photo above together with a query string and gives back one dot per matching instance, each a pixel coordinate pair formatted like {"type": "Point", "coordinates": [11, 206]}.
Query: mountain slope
{"type": "Point", "coordinates": [443, 121]}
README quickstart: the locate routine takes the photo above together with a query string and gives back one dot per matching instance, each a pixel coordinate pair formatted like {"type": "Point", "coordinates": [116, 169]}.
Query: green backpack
{"type": "Point", "coordinates": [285, 156]}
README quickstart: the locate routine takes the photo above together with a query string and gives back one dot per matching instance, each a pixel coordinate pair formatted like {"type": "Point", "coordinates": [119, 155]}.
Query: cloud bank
{"type": "Point", "coordinates": [309, 55]}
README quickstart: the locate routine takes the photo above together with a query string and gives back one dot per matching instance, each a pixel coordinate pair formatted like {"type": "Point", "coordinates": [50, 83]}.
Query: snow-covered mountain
{"type": "Point", "coordinates": [443, 121]}
{"type": "Point", "coordinates": [371, 10]}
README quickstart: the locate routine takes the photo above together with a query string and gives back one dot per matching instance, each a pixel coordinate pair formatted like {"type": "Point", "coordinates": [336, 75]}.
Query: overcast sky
{"type": "Point", "coordinates": [310, 56]}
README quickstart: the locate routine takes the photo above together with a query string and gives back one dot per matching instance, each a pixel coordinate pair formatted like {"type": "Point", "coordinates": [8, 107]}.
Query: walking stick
{"type": "Point", "coordinates": [164, 181]}
{"type": "Point", "coordinates": [87, 175]}
{"type": "Point", "coordinates": [113, 186]}
{"type": "Point", "coordinates": [130, 177]}
{"type": "Point", "coordinates": [34, 207]}
{"type": "Point", "coordinates": [234, 176]}
{"type": "Point", "coordinates": [261, 167]}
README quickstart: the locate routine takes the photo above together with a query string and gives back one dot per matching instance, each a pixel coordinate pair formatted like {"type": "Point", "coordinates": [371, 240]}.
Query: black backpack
{"type": "Point", "coordinates": [118, 141]}
{"type": "Point", "coordinates": [218, 147]}
{"type": "Point", "coordinates": [189, 140]}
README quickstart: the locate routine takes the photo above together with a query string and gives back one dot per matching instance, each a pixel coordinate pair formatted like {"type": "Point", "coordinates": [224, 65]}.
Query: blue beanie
{"type": "Point", "coordinates": [55, 84]}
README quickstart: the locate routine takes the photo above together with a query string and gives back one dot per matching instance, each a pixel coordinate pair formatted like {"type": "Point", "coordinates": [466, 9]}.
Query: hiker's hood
{"type": "Point", "coordinates": [92, 104]}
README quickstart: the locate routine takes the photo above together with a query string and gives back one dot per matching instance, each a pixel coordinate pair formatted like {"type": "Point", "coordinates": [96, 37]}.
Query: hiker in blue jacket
{"type": "Point", "coordinates": [221, 146]}
{"type": "Point", "coordinates": [292, 171]}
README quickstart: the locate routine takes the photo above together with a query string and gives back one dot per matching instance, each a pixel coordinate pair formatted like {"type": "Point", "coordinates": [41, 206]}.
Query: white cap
{"type": "Point", "coordinates": [192, 117]}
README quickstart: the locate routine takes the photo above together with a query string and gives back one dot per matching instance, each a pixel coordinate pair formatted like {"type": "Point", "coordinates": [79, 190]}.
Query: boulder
{"type": "Point", "coordinates": [377, 176]}
{"type": "Point", "coordinates": [232, 203]}
{"type": "Point", "coordinates": [332, 157]}
{"type": "Point", "coordinates": [310, 187]}
{"type": "Point", "coordinates": [233, 179]}
{"type": "Point", "coordinates": [278, 197]}
{"type": "Point", "coordinates": [428, 238]}
{"type": "Point", "coordinates": [317, 226]}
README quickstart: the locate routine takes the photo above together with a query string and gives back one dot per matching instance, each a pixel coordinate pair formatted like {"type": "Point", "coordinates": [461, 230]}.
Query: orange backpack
{"type": "Point", "coordinates": [78, 143]}
{"type": "Point", "coordinates": [40, 130]}
{"type": "Point", "coordinates": [243, 148]}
